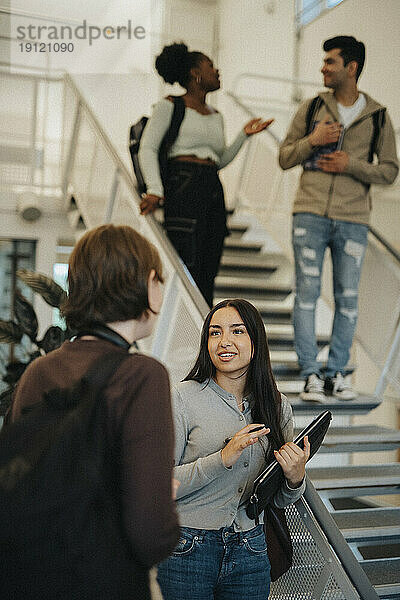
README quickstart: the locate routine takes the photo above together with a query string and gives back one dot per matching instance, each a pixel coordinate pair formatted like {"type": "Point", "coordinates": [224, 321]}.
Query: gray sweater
{"type": "Point", "coordinates": [211, 496]}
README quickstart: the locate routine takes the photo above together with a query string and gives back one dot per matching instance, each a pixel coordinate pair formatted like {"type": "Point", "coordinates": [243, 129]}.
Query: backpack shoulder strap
{"type": "Point", "coordinates": [176, 122]}
{"type": "Point", "coordinates": [378, 122]}
{"type": "Point", "coordinates": [311, 111]}
{"type": "Point", "coordinates": [104, 368]}
{"type": "Point", "coordinates": [92, 384]}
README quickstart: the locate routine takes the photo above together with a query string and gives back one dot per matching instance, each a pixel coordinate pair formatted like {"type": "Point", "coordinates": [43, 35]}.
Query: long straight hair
{"type": "Point", "coordinates": [265, 399]}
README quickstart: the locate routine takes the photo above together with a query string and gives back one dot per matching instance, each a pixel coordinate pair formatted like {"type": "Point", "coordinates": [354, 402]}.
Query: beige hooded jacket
{"type": "Point", "coordinates": [343, 196]}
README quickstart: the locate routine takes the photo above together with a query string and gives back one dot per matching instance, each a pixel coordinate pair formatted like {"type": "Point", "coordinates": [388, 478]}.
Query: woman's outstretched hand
{"type": "Point", "coordinates": [257, 125]}
{"type": "Point", "coordinates": [293, 461]}
{"type": "Point", "coordinates": [243, 438]}
{"type": "Point", "coordinates": [149, 203]}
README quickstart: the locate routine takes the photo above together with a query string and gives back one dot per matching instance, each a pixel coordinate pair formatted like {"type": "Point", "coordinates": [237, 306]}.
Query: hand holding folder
{"type": "Point", "coordinates": [268, 482]}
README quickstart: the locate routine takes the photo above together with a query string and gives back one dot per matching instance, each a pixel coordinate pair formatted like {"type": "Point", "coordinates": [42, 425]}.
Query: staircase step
{"type": "Point", "coordinates": [384, 574]}
{"type": "Point", "coordinates": [354, 478]}
{"type": "Point", "coordinates": [261, 287]}
{"type": "Point", "coordinates": [363, 404]}
{"type": "Point", "coordinates": [242, 264]}
{"type": "Point", "coordinates": [360, 438]}
{"type": "Point", "coordinates": [283, 357]}
{"type": "Point", "coordinates": [272, 311]}
{"type": "Point", "coordinates": [281, 337]}
{"type": "Point", "coordinates": [290, 387]}
{"type": "Point", "coordinates": [234, 244]}
{"type": "Point", "coordinates": [237, 229]}
{"type": "Point", "coordinates": [368, 524]}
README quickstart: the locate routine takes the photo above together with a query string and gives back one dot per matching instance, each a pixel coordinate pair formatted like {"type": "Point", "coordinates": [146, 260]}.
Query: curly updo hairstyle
{"type": "Point", "coordinates": [175, 61]}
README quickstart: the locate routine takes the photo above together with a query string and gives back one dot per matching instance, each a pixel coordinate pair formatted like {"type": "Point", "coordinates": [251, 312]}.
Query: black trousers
{"type": "Point", "coordinates": [195, 220]}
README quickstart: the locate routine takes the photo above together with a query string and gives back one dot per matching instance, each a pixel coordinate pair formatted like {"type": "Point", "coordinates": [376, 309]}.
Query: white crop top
{"type": "Point", "coordinates": [199, 135]}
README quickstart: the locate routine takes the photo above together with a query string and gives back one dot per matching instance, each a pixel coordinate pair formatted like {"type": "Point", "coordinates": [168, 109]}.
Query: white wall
{"type": "Point", "coordinates": [256, 37]}
{"type": "Point", "coordinates": [120, 99]}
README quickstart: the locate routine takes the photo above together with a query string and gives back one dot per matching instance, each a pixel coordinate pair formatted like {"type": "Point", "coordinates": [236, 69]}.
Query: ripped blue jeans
{"type": "Point", "coordinates": [311, 235]}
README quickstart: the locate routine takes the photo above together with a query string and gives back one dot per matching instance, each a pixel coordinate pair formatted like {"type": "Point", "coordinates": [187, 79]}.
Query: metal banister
{"type": "Point", "coordinates": [335, 538]}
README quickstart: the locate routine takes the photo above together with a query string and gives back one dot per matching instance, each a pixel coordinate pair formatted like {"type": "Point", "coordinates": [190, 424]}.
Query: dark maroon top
{"type": "Point", "coordinates": [138, 399]}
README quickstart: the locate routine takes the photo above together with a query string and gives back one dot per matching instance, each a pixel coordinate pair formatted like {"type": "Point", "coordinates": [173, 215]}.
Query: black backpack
{"type": "Point", "coordinates": [378, 122]}
{"type": "Point", "coordinates": [61, 533]}
{"type": "Point", "coordinates": [135, 135]}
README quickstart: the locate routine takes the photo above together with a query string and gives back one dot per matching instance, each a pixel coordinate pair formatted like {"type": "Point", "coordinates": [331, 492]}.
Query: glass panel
{"type": "Point", "coordinates": [101, 181]}
{"type": "Point", "coordinates": [70, 106]}
{"type": "Point", "coordinates": [310, 11]}
{"type": "Point", "coordinates": [83, 158]}
{"type": "Point", "coordinates": [48, 133]}
{"type": "Point", "coordinates": [16, 129]}
{"type": "Point", "coordinates": [60, 274]}
{"type": "Point", "coordinates": [16, 110]}
{"type": "Point", "coordinates": [14, 255]}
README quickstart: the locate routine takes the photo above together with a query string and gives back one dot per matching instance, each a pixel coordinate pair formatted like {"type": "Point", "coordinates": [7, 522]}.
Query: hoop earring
{"type": "Point", "coordinates": [198, 79]}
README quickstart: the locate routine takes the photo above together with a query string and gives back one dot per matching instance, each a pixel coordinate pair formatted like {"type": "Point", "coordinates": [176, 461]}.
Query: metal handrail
{"type": "Point", "coordinates": [341, 548]}
{"type": "Point", "coordinates": [275, 78]}
{"type": "Point", "coordinates": [395, 253]}
{"type": "Point", "coordinates": [252, 114]}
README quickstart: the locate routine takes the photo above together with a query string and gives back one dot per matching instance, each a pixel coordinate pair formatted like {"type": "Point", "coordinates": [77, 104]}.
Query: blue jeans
{"type": "Point", "coordinates": [311, 235]}
{"type": "Point", "coordinates": [217, 565]}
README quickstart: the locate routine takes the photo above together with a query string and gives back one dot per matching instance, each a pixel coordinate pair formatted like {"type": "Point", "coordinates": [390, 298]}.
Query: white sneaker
{"type": "Point", "coordinates": [340, 388]}
{"type": "Point", "coordinates": [313, 389]}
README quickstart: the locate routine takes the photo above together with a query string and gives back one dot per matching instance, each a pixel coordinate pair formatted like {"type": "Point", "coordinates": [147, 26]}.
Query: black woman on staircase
{"type": "Point", "coordinates": [191, 193]}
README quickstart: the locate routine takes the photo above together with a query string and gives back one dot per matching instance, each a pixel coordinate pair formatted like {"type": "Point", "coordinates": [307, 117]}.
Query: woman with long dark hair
{"type": "Point", "coordinates": [229, 393]}
{"type": "Point", "coordinates": [191, 192]}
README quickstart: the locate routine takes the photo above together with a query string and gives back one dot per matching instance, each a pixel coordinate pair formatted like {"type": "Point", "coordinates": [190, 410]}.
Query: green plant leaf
{"type": "Point", "coordinates": [25, 316]}
{"type": "Point", "coordinates": [51, 292]}
{"type": "Point", "coordinates": [14, 371]}
{"type": "Point", "coordinates": [10, 332]}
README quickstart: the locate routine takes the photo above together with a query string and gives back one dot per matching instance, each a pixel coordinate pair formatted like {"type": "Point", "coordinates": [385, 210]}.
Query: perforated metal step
{"type": "Point", "coordinates": [354, 478]}
{"type": "Point", "coordinates": [384, 575]}
{"type": "Point", "coordinates": [368, 524]}
{"type": "Point", "coordinates": [360, 438]}
{"type": "Point", "coordinates": [360, 405]}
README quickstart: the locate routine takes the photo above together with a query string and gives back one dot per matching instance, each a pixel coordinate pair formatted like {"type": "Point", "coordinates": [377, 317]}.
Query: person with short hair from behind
{"type": "Point", "coordinates": [192, 194]}
{"type": "Point", "coordinates": [345, 141]}
{"type": "Point", "coordinates": [230, 392]}
{"type": "Point", "coordinates": [115, 278]}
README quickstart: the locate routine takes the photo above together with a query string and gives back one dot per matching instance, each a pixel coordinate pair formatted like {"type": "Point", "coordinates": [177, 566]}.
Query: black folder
{"type": "Point", "coordinates": [269, 481]}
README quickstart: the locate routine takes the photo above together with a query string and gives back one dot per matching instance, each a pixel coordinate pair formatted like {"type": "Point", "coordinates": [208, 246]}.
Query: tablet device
{"type": "Point", "coordinates": [267, 483]}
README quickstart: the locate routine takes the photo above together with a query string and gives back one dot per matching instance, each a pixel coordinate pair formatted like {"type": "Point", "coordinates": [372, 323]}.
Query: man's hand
{"type": "Point", "coordinates": [325, 132]}
{"type": "Point", "coordinates": [336, 162]}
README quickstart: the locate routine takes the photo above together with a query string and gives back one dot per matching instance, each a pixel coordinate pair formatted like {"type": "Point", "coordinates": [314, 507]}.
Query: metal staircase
{"type": "Point", "coordinates": [96, 187]}
{"type": "Point", "coordinates": [348, 491]}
